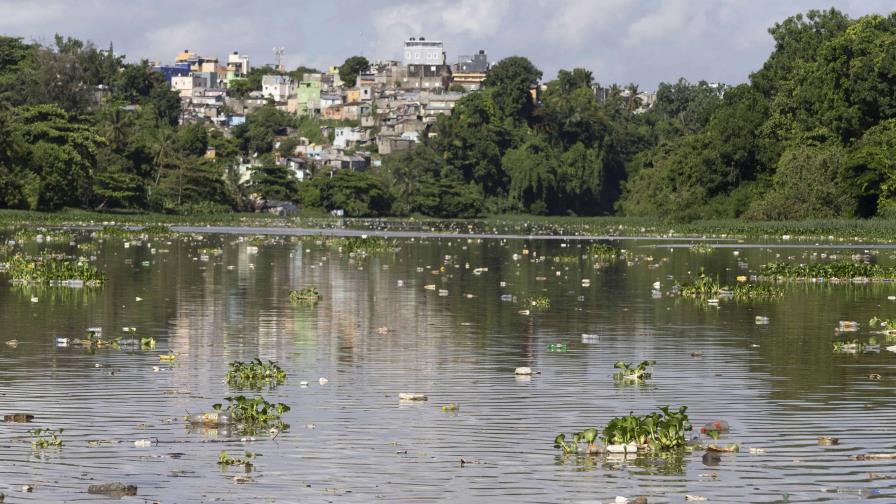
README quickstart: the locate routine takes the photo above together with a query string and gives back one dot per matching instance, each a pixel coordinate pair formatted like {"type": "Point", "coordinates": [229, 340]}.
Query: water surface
{"type": "Point", "coordinates": [379, 332]}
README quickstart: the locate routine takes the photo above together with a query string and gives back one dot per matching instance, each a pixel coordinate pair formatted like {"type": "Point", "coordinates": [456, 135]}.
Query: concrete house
{"type": "Point", "coordinates": [277, 87]}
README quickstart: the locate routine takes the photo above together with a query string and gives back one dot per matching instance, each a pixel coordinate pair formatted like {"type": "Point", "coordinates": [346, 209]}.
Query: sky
{"type": "Point", "coordinates": [621, 41]}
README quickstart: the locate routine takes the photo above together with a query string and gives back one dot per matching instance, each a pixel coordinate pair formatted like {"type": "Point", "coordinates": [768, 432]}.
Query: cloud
{"type": "Point", "coordinates": [641, 41]}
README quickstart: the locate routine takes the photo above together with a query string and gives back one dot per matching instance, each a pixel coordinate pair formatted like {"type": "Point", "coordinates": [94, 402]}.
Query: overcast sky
{"type": "Point", "coordinates": [641, 41]}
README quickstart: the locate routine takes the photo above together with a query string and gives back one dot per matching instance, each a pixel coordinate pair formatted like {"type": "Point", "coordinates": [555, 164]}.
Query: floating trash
{"type": "Point", "coordinates": [828, 441]}
{"type": "Point", "coordinates": [760, 320]}
{"type": "Point", "coordinates": [847, 326]}
{"type": "Point", "coordinates": [590, 338]}
{"type": "Point", "coordinates": [524, 371]}
{"type": "Point", "coordinates": [557, 347]}
{"type": "Point", "coordinates": [18, 418]}
{"type": "Point", "coordinates": [412, 396]}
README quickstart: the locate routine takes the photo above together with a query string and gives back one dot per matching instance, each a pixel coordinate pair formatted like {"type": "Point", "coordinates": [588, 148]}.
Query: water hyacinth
{"type": "Point", "coordinates": [52, 270]}
{"type": "Point", "coordinates": [308, 295]}
{"type": "Point", "coordinates": [706, 288]}
{"type": "Point", "coordinates": [361, 246]}
{"type": "Point", "coordinates": [840, 270]}
{"type": "Point", "coordinates": [254, 374]}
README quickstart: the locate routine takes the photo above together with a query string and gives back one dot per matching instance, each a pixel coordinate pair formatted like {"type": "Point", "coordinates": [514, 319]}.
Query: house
{"type": "Point", "coordinates": [477, 63]}
{"type": "Point", "coordinates": [299, 168]}
{"type": "Point", "coordinates": [237, 65]}
{"type": "Point", "coordinates": [330, 100]}
{"type": "Point", "coordinates": [277, 87]}
{"type": "Point", "coordinates": [349, 137]}
{"type": "Point", "coordinates": [352, 95]}
{"type": "Point", "coordinates": [187, 85]}
{"type": "Point", "coordinates": [423, 52]}
{"type": "Point", "coordinates": [308, 97]}
{"type": "Point", "coordinates": [426, 77]}
{"type": "Point", "coordinates": [387, 144]}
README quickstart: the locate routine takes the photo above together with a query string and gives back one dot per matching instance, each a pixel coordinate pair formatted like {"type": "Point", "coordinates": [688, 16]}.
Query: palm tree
{"type": "Point", "coordinates": [632, 101]}
{"type": "Point", "coordinates": [163, 148]}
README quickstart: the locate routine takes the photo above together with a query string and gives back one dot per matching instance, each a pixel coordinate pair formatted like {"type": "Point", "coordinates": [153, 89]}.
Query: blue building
{"type": "Point", "coordinates": [176, 70]}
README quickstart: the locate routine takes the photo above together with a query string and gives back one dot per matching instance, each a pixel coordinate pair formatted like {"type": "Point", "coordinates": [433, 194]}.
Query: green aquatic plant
{"type": "Point", "coordinates": [538, 301]}
{"type": "Point", "coordinates": [254, 374]}
{"type": "Point", "coordinates": [253, 415]}
{"type": "Point", "coordinates": [657, 431]}
{"type": "Point", "coordinates": [308, 295]}
{"type": "Point", "coordinates": [702, 248]}
{"type": "Point", "coordinates": [604, 253]}
{"type": "Point", "coordinates": [51, 270]}
{"type": "Point", "coordinates": [705, 288]}
{"type": "Point", "coordinates": [224, 459]}
{"type": "Point", "coordinates": [840, 270]}
{"type": "Point", "coordinates": [885, 324]}
{"type": "Point", "coordinates": [629, 372]}
{"type": "Point", "coordinates": [360, 246]}
{"type": "Point", "coordinates": [754, 292]}
{"type": "Point", "coordinates": [45, 438]}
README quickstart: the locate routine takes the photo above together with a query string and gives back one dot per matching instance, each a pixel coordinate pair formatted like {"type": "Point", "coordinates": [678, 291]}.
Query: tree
{"type": "Point", "coordinates": [274, 182]}
{"type": "Point", "coordinates": [509, 83]}
{"type": "Point", "coordinates": [239, 88]}
{"type": "Point", "coordinates": [806, 185]}
{"type": "Point", "coordinates": [351, 68]}
{"type": "Point", "coordinates": [359, 194]}
{"type": "Point", "coordinates": [61, 153]}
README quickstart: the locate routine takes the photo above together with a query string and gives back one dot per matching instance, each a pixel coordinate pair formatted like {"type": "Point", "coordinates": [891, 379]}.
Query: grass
{"type": "Point", "coordinates": [705, 288]}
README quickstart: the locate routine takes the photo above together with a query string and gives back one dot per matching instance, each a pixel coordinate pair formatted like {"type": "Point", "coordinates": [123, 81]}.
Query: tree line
{"type": "Point", "coordinates": [812, 134]}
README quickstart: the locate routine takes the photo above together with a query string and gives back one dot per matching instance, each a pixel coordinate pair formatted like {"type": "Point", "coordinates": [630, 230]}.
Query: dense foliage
{"type": "Point", "coordinates": [812, 135]}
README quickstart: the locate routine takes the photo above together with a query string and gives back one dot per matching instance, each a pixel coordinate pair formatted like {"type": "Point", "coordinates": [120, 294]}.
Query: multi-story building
{"type": "Point", "coordinates": [277, 87]}
{"type": "Point", "coordinates": [238, 64]}
{"type": "Point", "coordinates": [423, 52]}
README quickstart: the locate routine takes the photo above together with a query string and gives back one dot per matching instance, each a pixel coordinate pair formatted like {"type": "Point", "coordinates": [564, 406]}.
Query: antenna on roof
{"type": "Point", "coordinates": [278, 52]}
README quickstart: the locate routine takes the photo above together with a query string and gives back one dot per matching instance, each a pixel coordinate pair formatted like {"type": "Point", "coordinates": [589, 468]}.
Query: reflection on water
{"type": "Point", "coordinates": [379, 332]}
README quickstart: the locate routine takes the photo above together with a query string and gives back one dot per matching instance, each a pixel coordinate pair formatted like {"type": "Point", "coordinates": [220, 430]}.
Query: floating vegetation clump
{"type": "Point", "coordinates": [53, 271]}
{"type": "Point", "coordinates": [251, 415]}
{"type": "Point", "coordinates": [360, 246]}
{"type": "Point", "coordinates": [539, 302]}
{"type": "Point", "coordinates": [655, 432]}
{"type": "Point", "coordinates": [133, 231]}
{"type": "Point", "coordinates": [40, 234]}
{"type": "Point", "coordinates": [630, 372]}
{"type": "Point", "coordinates": [255, 374]}
{"type": "Point", "coordinates": [706, 288]}
{"type": "Point", "coordinates": [888, 325]}
{"type": "Point", "coordinates": [45, 438]}
{"type": "Point", "coordinates": [604, 253]}
{"type": "Point", "coordinates": [832, 271]}
{"type": "Point", "coordinates": [702, 248]}
{"type": "Point", "coordinates": [663, 430]}
{"type": "Point", "coordinates": [855, 346]}
{"type": "Point", "coordinates": [245, 462]}
{"type": "Point", "coordinates": [754, 292]}
{"type": "Point", "coordinates": [308, 295]}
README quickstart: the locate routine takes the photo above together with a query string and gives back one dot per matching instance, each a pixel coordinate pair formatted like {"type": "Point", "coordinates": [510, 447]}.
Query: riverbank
{"type": "Point", "coordinates": [845, 230]}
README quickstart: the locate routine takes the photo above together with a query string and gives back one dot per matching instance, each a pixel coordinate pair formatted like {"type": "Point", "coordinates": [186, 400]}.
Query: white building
{"type": "Point", "coordinates": [187, 85]}
{"type": "Point", "coordinates": [277, 87]}
{"type": "Point", "coordinates": [348, 136]}
{"type": "Point", "coordinates": [238, 64]}
{"type": "Point", "coordinates": [423, 52]}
